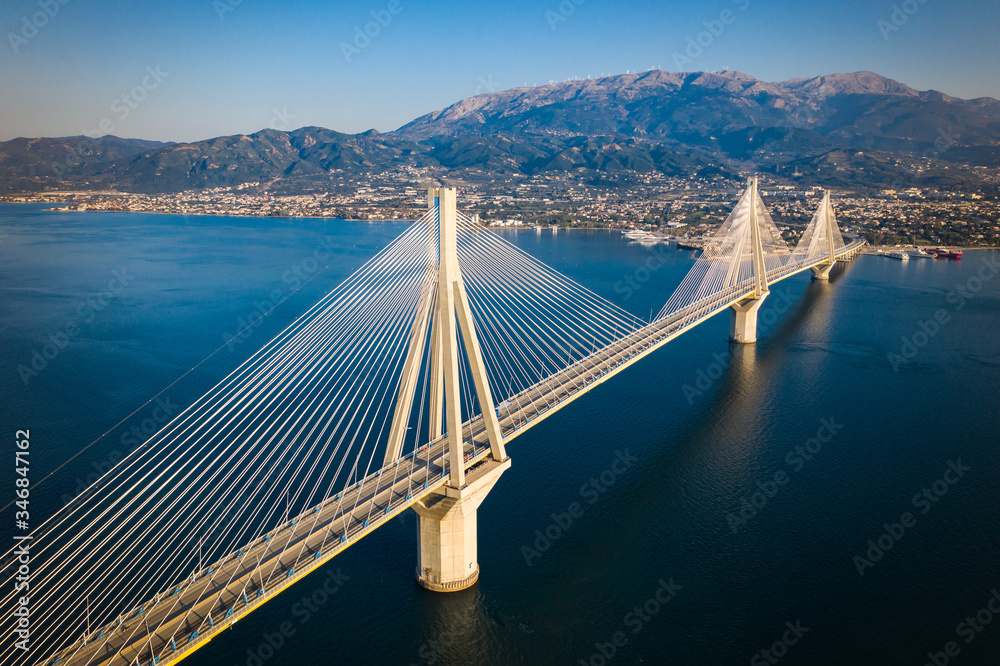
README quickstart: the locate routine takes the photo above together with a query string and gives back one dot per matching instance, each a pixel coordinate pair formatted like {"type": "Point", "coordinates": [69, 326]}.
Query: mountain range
{"type": "Point", "coordinates": [859, 130]}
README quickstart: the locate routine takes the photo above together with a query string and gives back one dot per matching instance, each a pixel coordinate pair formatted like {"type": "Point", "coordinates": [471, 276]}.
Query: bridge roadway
{"type": "Point", "coordinates": [178, 621]}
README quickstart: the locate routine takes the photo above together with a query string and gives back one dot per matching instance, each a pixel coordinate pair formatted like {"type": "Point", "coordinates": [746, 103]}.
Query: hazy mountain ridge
{"type": "Point", "coordinates": [264, 156]}
{"type": "Point", "coordinates": [863, 109]}
{"type": "Point", "coordinates": [24, 161]}
{"type": "Point", "coordinates": [675, 123]}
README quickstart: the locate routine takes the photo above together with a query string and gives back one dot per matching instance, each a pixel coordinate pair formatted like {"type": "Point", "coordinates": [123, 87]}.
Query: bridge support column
{"type": "Point", "coordinates": [447, 528]}
{"type": "Point", "coordinates": [743, 322]}
{"type": "Point", "coordinates": [447, 519]}
{"type": "Point", "coordinates": [822, 272]}
{"type": "Point", "coordinates": [743, 319]}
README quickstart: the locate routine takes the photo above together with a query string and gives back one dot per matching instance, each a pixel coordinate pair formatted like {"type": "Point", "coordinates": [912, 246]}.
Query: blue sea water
{"type": "Point", "coordinates": [859, 394]}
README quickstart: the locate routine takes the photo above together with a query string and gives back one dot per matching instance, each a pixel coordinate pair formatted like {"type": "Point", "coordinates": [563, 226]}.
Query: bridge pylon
{"type": "Point", "coordinates": [743, 315]}
{"type": "Point", "coordinates": [827, 228]}
{"type": "Point", "coordinates": [821, 241]}
{"type": "Point", "coordinates": [447, 523]}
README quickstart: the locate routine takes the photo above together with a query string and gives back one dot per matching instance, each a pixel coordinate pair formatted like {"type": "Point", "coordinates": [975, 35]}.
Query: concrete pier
{"type": "Point", "coordinates": [743, 319]}
{"type": "Point", "coordinates": [822, 272]}
{"type": "Point", "coordinates": [447, 528]}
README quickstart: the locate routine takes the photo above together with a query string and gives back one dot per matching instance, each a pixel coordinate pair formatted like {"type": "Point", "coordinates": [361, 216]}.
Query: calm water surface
{"type": "Point", "coordinates": [706, 425]}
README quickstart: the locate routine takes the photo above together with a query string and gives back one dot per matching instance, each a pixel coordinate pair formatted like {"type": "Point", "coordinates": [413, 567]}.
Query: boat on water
{"type": "Point", "coordinates": [919, 253]}
{"type": "Point", "coordinates": [636, 234]}
{"type": "Point", "coordinates": [942, 253]}
{"type": "Point", "coordinates": [902, 256]}
{"type": "Point", "coordinates": [652, 238]}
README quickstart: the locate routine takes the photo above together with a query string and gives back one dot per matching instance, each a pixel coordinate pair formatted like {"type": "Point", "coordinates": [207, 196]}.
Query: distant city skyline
{"type": "Point", "coordinates": [193, 70]}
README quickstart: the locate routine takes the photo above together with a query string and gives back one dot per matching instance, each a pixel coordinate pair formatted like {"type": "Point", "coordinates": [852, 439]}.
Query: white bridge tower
{"type": "Point", "coordinates": [447, 520]}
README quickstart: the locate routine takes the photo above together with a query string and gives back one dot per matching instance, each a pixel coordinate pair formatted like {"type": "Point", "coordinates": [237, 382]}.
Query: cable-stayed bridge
{"type": "Point", "coordinates": [399, 390]}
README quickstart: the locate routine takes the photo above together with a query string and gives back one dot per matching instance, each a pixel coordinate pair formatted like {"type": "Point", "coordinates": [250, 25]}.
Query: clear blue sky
{"type": "Point", "coordinates": [232, 74]}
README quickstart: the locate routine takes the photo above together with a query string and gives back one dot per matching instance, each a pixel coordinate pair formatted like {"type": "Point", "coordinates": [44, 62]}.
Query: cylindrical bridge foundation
{"type": "Point", "coordinates": [447, 529]}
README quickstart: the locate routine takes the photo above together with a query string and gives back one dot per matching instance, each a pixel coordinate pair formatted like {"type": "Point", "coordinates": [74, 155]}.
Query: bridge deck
{"type": "Point", "coordinates": [178, 622]}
